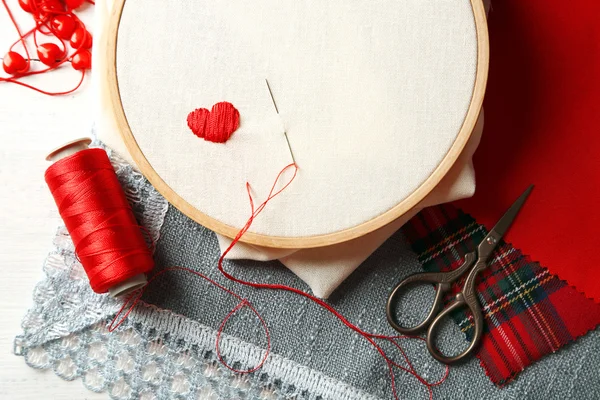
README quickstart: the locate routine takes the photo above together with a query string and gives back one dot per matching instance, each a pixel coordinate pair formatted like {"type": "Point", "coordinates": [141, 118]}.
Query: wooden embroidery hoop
{"type": "Point", "coordinates": [394, 213]}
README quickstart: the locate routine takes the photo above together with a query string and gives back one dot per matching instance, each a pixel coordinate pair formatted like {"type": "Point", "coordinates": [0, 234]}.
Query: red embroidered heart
{"type": "Point", "coordinates": [216, 125]}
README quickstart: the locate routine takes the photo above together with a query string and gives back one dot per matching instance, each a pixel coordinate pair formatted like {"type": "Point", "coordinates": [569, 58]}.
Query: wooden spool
{"type": "Point", "coordinates": [143, 154]}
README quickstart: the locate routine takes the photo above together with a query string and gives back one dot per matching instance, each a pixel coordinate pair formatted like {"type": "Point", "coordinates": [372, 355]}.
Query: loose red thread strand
{"type": "Point", "coordinates": [370, 337]}
{"type": "Point", "coordinates": [134, 298]}
{"type": "Point", "coordinates": [41, 21]}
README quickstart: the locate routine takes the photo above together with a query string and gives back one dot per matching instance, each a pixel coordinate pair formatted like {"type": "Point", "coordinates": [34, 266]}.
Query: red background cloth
{"type": "Point", "coordinates": [542, 113]}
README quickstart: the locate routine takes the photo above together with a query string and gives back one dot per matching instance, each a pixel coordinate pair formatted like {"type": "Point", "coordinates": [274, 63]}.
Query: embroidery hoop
{"type": "Point", "coordinates": [344, 235]}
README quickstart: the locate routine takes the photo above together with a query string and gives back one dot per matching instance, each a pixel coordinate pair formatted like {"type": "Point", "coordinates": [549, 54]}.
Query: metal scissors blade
{"type": "Point", "coordinates": [491, 241]}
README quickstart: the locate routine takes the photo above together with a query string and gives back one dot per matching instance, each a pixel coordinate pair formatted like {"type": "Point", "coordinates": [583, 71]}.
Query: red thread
{"type": "Point", "coordinates": [216, 125]}
{"type": "Point", "coordinates": [44, 13]}
{"type": "Point", "coordinates": [370, 337]}
{"type": "Point", "coordinates": [135, 297]}
{"type": "Point", "coordinates": [107, 238]}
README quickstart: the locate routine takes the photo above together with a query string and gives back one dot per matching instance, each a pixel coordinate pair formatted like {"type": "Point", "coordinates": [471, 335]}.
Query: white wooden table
{"type": "Point", "coordinates": [31, 124]}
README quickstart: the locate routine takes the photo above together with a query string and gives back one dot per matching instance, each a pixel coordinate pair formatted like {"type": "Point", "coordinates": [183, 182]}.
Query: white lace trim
{"type": "Point", "coordinates": [186, 334]}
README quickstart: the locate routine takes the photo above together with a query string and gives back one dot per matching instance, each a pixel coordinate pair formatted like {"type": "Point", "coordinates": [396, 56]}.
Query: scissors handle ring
{"type": "Point", "coordinates": [441, 289]}
{"type": "Point", "coordinates": [442, 280]}
{"type": "Point", "coordinates": [461, 300]}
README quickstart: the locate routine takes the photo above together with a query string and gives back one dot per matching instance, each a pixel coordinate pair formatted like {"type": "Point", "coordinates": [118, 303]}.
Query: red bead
{"type": "Point", "coordinates": [63, 25]}
{"type": "Point", "coordinates": [25, 5]}
{"type": "Point", "coordinates": [81, 39]}
{"type": "Point", "coordinates": [73, 4]}
{"type": "Point", "coordinates": [50, 54]}
{"type": "Point", "coordinates": [82, 60]}
{"type": "Point", "coordinates": [49, 6]}
{"type": "Point", "coordinates": [14, 63]}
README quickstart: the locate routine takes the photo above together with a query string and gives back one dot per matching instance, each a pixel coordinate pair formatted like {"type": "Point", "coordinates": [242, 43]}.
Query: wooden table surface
{"type": "Point", "coordinates": [31, 124]}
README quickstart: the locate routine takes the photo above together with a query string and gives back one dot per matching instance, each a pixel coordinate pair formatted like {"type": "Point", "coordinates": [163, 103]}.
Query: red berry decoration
{"type": "Point", "coordinates": [73, 4]}
{"type": "Point", "coordinates": [25, 5]}
{"type": "Point", "coordinates": [82, 60]}
{"type": "Point", "coordinates": [81, 39]}
{"type": "Point", "coordinates": [63, 25]}
{"type": "Point", "coordinates": [14, 63]}
{"type": "Point", "coordinates": [50, 54]}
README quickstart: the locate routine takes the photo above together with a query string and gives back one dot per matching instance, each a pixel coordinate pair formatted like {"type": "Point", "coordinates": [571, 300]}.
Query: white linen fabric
{"type": "Point", "coordinates": [323, 269]}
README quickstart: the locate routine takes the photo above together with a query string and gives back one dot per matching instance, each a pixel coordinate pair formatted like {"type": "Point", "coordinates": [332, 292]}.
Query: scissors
{"type": "Point", "coordinates": [474, 263]}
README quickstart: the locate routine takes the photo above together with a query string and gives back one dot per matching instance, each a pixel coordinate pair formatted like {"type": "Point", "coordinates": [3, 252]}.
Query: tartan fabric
{"type": "Point", "coordinates": [528, 311]}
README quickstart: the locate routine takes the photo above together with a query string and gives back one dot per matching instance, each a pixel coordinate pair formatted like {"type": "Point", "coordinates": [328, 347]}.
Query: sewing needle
{"type": "Point", "coordinates": [284, 131]}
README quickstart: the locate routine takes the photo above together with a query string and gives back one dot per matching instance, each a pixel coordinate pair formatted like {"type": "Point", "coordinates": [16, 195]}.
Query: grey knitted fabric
{"type": "Point", "coordinates": [310, 336]}
{"type": "Point", "coordinates": [161, 354]}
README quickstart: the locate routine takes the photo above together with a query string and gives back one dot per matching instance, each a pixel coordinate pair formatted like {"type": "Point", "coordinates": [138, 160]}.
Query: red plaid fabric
{"type": "Point", "coordinates": [528, 311]}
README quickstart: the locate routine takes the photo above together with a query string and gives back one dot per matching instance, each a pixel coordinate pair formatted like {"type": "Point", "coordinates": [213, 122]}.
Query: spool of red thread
{"type": "Point", "coordinates": [107, 238]}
